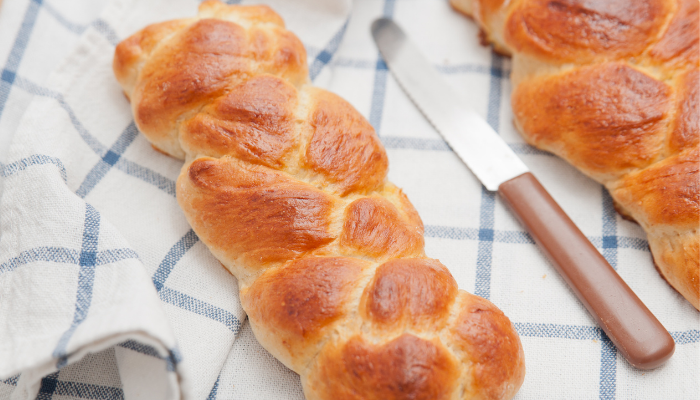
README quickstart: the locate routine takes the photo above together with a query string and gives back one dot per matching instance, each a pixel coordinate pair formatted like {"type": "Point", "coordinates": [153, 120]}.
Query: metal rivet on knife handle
{"type": "Point", "coordinates": [629, 324]}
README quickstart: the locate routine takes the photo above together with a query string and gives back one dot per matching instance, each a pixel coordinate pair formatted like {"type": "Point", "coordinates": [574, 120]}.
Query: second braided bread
{"type": "Point", "coordinates": [613, 87]}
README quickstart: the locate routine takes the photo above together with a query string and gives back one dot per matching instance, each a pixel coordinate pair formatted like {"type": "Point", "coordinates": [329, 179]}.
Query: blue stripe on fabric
{"type": "Point", "coordinates": [90, 140]}
{"type": "Point", "coordinates": [11, 380]}
{"type": "Point", "coordinates": [632, 243]}
{"type": "Point", "coordinates": [49, 254]}
{"type": "Point", "coordinates": [215, 389]}
{"type": "Point", "coordinates": [527, 150]}
{"type": "Point", "coordinates": [108, 160]}
{"type": "Point", "coordinates": [173, 257]}
{"type": "Point", "coordinates": [608, 353]}
{"type": "Point", "coordinates": [141, 348]}
{"type": "Point", "coordinates": [88, 391]}
{"type": "Point", "coordinates": [516, 237]}
{"type": "Point", "coordinates": [8, 76]}
{"type": "Point", "coordinates": [35, 89]}
{"type": "Point", "coordinates": [451, 232]}
{"type": "Point", "coordinates": [354, 63]}
{"type": "Point", "coordinates": [687, 337]}
{"type": "Point", "coordinates": [389, 7]}
{"type": "Point", "coordinates": [64, 256]}
{"type": "Point", "coordinates": [359, 63]}
{"type": "Point", "coordinates": [397, 142]}
{"type": "Point", "coordinates": [456, 233]}
{"type": "Point", "coordinates": [48, 386]}
{"type": "Point", "coordinates": [380, 76]}
{"type": "Point", "coordinates": [482, 284]}
{"type": "Point", "coordinates": [171, 360]}
{"type": "Point", "coordinates": [582, 332]}
{"type": "Point", "coordinates": [112, 256]}
{"type": "Point", "coordinates": [378, 93]}
{"type": "Point", "coordinates": [99, 25]}
{"type": "Point", "coordinates": [146, 175]}
{"type": "Point", "coordinates": [130, 168]}
{"type": "Point", "coordinates": [176, 355]}
{"type": "Point", "coordinates": [608, 369]}
{"type": "Point", "coordinates": [577, 332]}
{"type": "Point", "coordinates": [17, 51]}
{"type": "Point", "coordinates": [196, 306]}
{"type": "Point", "coordinates": [324, 57]}
{"type": "Point", "coordinates": [35, 159]}
{"type": "Point", "coordinates": [107, 31]}
{"type": "Point", "coordinates": [86, 280]}
{"type": "Point", "coordinates": [473, 68]}
{"type": "Point", "coordinates": [71, 26]}
{"type": "Point", "coordinates": [493, 113]}
{"type": "Point", "coordinates": [610, 245]}
{"type": "Point", "coordinates": [51, 385]}
{"type": "Point", "coordinates": [520, 237]}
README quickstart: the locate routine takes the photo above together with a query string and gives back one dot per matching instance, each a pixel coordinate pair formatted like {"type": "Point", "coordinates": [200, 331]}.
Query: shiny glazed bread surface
{"type": "Point", "coordinates": [286, 184]}
{"type": "Point", "coordinates": [612, 86]}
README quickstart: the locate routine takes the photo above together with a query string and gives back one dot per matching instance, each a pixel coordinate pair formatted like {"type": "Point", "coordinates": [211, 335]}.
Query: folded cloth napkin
{"type": "Point", "coordinates": [105, 292]}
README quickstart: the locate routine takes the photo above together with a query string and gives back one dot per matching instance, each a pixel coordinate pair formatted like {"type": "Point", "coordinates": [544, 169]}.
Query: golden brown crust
{"type": "Point", "coordinates": [489, 14]}
{"type": "Point", "coordinates": [486, 10]}
{"type": "Point", "coordinates": [344, 147]}
{"type": "Point", "coordinates": [607, 119]}
{"type": "Point", "coordinates": [679, 44]}
{"type": "Point", "coordinates": [254, 122]}
{"type": "Point", "coordinates": [138, 47]}
{"type": "Point", "coordinates": [241, 13]}
{"type": "Point", "coordinates": [582, 31]}
{"type": "Point", "coordinates": [286, 184]}
{"type": "Point", "coordinates": [297, 302]}
{"type": "Point", "coordinates": [182, 65]}
{"type": "Point", "coordinates": [686, 130]}
{"type": "Point", "coordinates": [404, 368]}
{"type": "Point", "coordinates": [678, 260]}
{"type": "Point", "coordinates": [374, 227]}
{"type": "Point", "coordinates": [489, 341]}
{"type": "Point", "coordinates": [193, 68]}
{"type": "Point", "coordinates": [279, 52]}
{"type": "Point", "coordinates": [410, 213]}
{"type": "Point", "coordinates": [667, 193]}
{"type": "Point", "coordinates": [251, 214]}
{"type": "Point", "coordinates": [410, 292]}
{"type": "Point", "coordinates": [665, 200]}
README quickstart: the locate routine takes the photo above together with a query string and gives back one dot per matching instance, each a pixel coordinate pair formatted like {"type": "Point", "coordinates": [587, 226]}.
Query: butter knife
{"type": "Point", "coordinates": [629, 324]}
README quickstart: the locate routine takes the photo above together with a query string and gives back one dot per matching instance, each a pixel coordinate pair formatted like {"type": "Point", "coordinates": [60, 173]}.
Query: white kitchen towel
{"type": "Point", "coordinates": [101, 276]}
{"type": "Point", "coordinates": [95, 255]}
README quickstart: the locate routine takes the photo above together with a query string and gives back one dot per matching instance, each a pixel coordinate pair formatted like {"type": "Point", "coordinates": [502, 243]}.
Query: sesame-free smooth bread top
{"type": "Point", "coordinates": [613, 87]}
{"type": "Point", "coordinates": [286, 184]}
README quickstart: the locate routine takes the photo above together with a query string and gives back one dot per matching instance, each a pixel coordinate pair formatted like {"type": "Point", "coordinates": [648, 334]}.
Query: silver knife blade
{"type": "Point", "coordinates": [469, 136]}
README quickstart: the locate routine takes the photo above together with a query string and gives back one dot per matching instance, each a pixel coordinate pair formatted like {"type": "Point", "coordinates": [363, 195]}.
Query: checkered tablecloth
{"type": "Point", "coordinates": [106, 293]}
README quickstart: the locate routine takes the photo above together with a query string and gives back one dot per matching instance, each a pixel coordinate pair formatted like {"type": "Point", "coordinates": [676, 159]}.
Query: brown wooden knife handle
{"type": "Point", "coordinates": [629, 324]}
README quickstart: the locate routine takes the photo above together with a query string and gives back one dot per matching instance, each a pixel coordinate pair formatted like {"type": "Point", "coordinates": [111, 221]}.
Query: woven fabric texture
{"type": "Point", "coordinates": [106, 293]}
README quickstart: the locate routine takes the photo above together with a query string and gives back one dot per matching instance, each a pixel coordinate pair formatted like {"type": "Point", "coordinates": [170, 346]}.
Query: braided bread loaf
{"type": "Point", "coordinates": [286, 184]}
{"type": "Point", "coordinates": [612, 87]}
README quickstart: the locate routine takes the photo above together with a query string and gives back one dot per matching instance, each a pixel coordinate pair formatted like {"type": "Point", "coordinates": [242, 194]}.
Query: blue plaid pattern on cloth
{"type": "Point", "coordinates": [107, 214]}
